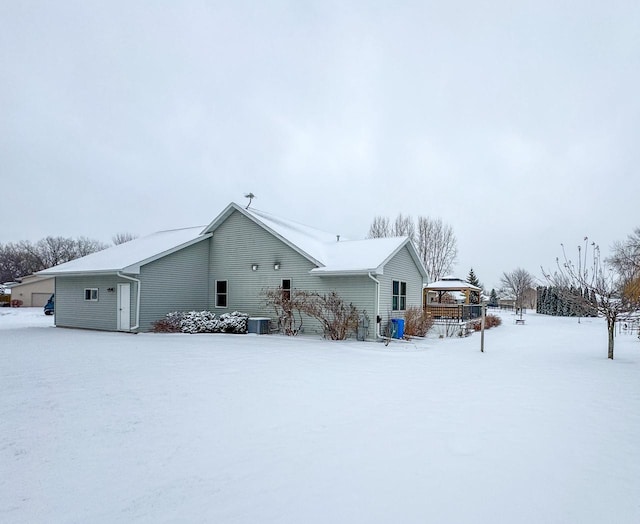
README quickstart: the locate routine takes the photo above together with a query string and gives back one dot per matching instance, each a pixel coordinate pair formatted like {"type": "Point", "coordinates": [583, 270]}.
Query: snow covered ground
{"type": "Point", "coordinates": [107, 427]}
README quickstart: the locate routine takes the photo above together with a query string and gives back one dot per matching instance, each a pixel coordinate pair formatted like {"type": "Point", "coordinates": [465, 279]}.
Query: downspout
{"type": "Point", "coordinates": [377, 306]}
{"type": "Point", "coordinates": [133, 328]}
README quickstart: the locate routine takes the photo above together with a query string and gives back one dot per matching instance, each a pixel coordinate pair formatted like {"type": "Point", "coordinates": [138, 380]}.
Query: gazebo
{"type": "Point", "coordinates": [450, 299]}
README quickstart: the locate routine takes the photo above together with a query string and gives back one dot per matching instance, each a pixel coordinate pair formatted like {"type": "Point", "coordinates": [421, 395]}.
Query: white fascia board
{"type": "Point", "coordinates": [224, 214]}
{"type": "Point", "coordinates": [82, 273]}
{"type": "Point", "coordinates": [321, 272]}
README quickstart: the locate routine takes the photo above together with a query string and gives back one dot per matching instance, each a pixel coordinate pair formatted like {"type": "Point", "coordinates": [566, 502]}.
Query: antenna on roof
{"type": "Point", "coordinates": [250, 196]}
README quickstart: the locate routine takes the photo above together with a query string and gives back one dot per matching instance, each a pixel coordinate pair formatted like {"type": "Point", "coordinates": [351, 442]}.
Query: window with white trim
{"type": "Point", "coordinates": [91, 294]}
{"type": "Point", "coordinates": [399, 295]}
{"type": "Point", "coordinates": [222, 292]}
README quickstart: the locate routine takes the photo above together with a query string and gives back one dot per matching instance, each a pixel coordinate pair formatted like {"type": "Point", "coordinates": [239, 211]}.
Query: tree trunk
{"type": "Point", "coordinates": [611, 327]}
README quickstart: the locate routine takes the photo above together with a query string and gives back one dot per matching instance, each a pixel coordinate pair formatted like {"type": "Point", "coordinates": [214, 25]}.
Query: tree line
{"type": "Point", "coordinates": [24, 258]}
{"type": "Point", "coordinates": [566, 302]}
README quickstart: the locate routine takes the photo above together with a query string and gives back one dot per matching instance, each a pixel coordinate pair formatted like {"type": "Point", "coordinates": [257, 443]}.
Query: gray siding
{"type": "Point", "coordinates": [239, 242]}
{"type": "Point", "coordinates": [185, 280]}
{"type": "Point", "coordinates": [72, 310]}
{"type": "Point", "coordinates": [177, 282]}
{"type": "Point", "coordinates": [400, 267]}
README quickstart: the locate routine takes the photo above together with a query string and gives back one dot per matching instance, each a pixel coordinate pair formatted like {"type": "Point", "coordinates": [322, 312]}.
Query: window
{"type": "Point", "coordinates": [91, 294]}
{"type": "Point", "coordinates": [221, 293]}
{"type": "Point", "coordinates": [399, 295]}
{"type": "Point", "coordinates": [286, 289]}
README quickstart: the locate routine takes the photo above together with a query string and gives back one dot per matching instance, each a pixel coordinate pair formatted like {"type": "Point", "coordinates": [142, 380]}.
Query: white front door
{"type": "Point", "coordinates": [124, 307]}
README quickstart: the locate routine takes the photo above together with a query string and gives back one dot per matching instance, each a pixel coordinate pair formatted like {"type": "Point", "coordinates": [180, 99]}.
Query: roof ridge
{"type": "Point", "coordinates": [287, 221]}
{"type": "Point", "coordinates": [174, 229]}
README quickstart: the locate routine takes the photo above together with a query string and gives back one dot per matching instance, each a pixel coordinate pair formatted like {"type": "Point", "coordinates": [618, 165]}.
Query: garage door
{"type": "Point", "coordinates": [39, 299]}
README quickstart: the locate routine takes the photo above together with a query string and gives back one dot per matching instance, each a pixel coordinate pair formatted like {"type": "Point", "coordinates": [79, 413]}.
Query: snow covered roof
{"type": "Point", "coordinates": [308, 241]}
{"type": "Point", "coordinates": [128, 257]}
{"type": "Point", "coordinates": [332, 255]}
{"type": "Point", "coordinates": [451, 283]}
{"type": "Point", "coordinates": [360, 256]}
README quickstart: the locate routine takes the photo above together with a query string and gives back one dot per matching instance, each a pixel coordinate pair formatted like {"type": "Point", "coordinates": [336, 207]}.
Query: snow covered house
{"type": "Point", "coordinates": [225, 267]}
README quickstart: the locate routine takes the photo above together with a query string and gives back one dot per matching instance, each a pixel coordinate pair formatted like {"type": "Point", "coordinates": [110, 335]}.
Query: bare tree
{"type": "Point", "coordinates": [16, 261]}
{"type": "Point", "coordinates": [24, 258]}
{"type": "Point", "coordinates": [121, 238]}
{"type": "Point", "coordinates": [437, 247]}
{"type": "Point", "coordinates": [434, 240]}
{"type": "Point", "coordinates": [85, 246]}
{"type": "Point", "coordinates": [379, 228]}
{"type": "Point", "coordinates": [611, 292]}
{"type": "Point", "coordinates": [403, 226]}
{"type": "Point", "coordinates": [517, 283]}
{"type": "Point", "coordinates": [626, 256]}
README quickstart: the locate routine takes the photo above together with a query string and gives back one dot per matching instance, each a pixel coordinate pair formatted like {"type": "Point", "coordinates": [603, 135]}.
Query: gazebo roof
{"type": "Point", "coordinates": [451, 284]}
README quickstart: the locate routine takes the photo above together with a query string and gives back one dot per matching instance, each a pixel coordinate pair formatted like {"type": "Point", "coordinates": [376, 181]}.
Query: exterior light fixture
{"type": "Point", "coordinates": [254, 267]}
{"type": "Point", "coordinates": [276, 266]}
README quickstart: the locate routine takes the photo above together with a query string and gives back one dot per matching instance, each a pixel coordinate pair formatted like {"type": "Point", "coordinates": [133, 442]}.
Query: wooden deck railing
{"type": "Point", "coordinates": [459, 312]}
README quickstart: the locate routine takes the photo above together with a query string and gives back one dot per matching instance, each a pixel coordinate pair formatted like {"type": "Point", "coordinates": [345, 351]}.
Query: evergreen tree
{"type": "Point", "coordinates": [542, 300]}
{"type": "Point", "coordinates": [538, 298]}
{"type": "Point", "coordinates": [493, 298]}
{"type": "Point", "coordinates": [474, 296]}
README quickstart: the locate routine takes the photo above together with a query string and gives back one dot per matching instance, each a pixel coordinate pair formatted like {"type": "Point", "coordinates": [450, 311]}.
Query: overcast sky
{"type": "Point", "coordinates": [516, 123]}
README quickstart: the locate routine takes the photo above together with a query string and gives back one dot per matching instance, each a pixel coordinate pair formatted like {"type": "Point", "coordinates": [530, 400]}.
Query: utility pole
{"type": "Point", "coordinates": [483, 307]}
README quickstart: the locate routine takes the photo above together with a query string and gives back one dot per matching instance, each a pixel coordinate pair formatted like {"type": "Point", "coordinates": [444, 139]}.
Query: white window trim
{"type": "Point", "coordinates": [91, 294]}
{"type": "Point", "coordinates": [226, 294]}
{"type": "Point", "coordinates": [399, 295]}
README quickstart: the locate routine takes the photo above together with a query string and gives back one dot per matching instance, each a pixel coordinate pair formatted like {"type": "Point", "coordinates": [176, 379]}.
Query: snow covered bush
{"type": "Point", "coordinates": [202, 322]}
{"type": "Point", "coordinates": [235, 322]}
{"type": "Point", "coordinates": [199, 322]}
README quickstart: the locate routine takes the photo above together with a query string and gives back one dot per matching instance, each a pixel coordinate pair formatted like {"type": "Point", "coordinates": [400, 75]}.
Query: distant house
{"type": "Point", "coordinates": [225, 267]}
{"type": "Point", "coordinates": [32, 290]}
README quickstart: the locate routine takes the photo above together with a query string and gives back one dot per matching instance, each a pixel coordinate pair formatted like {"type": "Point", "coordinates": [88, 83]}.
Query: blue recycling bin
{"type": "Point", "coordinates": [399, 327]}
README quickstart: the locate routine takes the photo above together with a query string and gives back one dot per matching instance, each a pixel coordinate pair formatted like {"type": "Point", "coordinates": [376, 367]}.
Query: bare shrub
{"type": "Point", "coordinates": [417, 322]}
{"type": "Point", "coordinates": [338, 320]}
{"type": "Point", "coordinates": [492, 321]}
{"type": "Point", "coordinates": [171, 323]}
{"type": "Point", "coordinates": [489, 322]}
{"type": "Point", "coordinates": [286, 304]}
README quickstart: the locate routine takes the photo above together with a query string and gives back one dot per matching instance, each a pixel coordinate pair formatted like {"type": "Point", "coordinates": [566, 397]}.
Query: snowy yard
{"type": "Point", "coordinates": [107, 427]}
